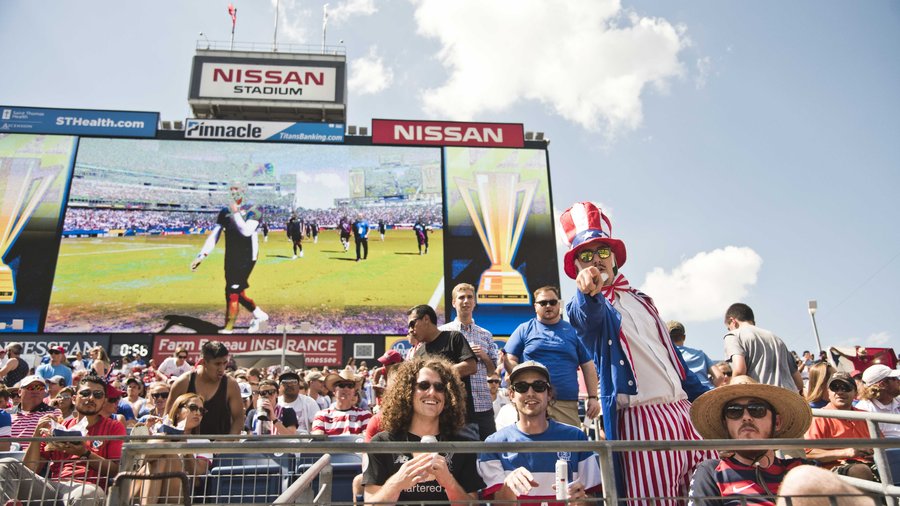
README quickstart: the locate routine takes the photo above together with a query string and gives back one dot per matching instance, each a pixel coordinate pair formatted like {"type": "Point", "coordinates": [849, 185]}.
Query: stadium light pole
{"type": "Point", "coordinates": [813, 305]}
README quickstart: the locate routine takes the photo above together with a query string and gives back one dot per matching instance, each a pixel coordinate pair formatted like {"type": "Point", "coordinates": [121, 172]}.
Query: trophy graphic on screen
{"type": "Point", "coordinates": [499, 218]}
{"type": "Point", "coordinates": [22, 186]}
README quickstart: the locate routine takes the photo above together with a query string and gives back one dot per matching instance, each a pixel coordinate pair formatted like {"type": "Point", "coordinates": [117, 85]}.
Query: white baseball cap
{"type": "Point", "coordinates": [878, 372]}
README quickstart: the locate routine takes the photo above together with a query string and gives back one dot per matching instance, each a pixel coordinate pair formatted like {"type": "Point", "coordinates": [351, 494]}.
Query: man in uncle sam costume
{"type": "Point", "coordinates": [645, 387]}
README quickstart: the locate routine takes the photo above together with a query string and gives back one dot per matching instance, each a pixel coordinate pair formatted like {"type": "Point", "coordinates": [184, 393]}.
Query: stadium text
{"type": "Point", "coordinates": [97, 122]}
{"type": "Point", "coordinates": [267, 90]}
{"type": "Point", "coordinates": [441, 133]}
{"type": "Point", "coordinates": [316, 350]}
{"type": "Point", "coordinates": [201, 129]}
{"type": "Point", "coordinates": [268, 77]}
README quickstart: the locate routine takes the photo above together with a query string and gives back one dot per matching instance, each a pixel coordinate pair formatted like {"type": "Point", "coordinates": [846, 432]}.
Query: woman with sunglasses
{"type": "Point", "coordinates": [186, 414]}
{"type": "Point", "coordinates": [427, 400]}
{"type": "Point", "coordinates": [155, 409]}
{"type": "Point", "coordinates": [15, 368]}
{"type": "Point", "coordinates": [63, 401]}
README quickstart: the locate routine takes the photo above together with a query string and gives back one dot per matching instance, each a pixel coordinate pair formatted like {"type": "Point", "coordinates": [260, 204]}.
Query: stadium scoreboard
{"type": "Point", "coordinates": [100, 225]}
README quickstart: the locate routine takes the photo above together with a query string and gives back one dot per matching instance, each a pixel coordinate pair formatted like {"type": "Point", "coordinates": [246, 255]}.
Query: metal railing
{"type": "Point", "coordinates": [269, 47]}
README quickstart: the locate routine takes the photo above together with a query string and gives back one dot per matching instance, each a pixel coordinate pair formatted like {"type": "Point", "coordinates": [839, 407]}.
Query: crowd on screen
{"type": "Point", "coordinates": [95, 218]}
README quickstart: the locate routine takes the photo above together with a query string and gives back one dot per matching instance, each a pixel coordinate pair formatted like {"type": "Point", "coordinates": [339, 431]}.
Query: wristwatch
{"type": "Point", "coordinates": [593, 397]}
{"type": "Point", "coordinates": [85, 455]}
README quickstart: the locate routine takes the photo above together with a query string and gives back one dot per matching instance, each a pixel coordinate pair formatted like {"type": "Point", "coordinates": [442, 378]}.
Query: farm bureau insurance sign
{"type": "Point", "coordinates": [301, 83]}
{"type": "Point", "coordinates": [318, 350]}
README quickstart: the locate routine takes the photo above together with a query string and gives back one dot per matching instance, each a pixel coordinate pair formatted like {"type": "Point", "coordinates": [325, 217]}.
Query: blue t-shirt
{"type": "Point", "coordinates": [361, 229]}
{"type": "Point", "coordinates": [125, 410]}
{"type": "Point", "coordinates": [557, 347]}
{"type": "Point", "coordinates": [494, 467]}
{"type": "Point", "coordinates": [48, 371]}
{"type": "Point", "coordinates": [698, 362]}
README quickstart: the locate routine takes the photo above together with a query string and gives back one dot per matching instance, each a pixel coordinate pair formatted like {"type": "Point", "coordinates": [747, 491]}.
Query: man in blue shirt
{"type": "Point", "coordinates": [550, 340]}
{"type": "Point", "coordinates": [696, 360]}
{"type": "Point", "coordinates": [361, 236]}
{"type": "Point", "coordinates": [56, 366]}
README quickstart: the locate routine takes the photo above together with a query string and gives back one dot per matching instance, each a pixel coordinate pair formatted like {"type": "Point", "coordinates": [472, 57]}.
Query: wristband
{"type": "Point", "coordinates": [593, 397]}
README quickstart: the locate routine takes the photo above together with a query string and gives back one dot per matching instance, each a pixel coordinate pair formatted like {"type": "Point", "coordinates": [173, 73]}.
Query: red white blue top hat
{"type": "Point", "coordinates": [585, 224]}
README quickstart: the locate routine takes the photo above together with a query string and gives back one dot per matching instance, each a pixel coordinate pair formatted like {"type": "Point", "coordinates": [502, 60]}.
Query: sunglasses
{"type": "Point", "coordinates": [37, 387]}
{"type": "Point", "coordinates": [736, 411]}
{"type": "Point", "coordinates": [588, 255]}
{"type": "Point", "coordinates": [545, 303]}
{"type": "Point", "coordinates": [840, 387]}
{"type": "Point", "coordinates": [413, 323]}
{"type": "Point", "coordinates": [345, 384]}
{"type": "Point", "coordinates": [537, 385]}
{"type": "Point", "coordinates": [290, 382]}
{"type": "Point", "coordinates": [160, 395]}
{"type": "Point", "coordinates": [97, 394]}
{"type": "Point", "coordinates": [64, 397]}
{"type": "Point", "coordinates": [424, 385]}
{"type": "Point", "coordinates": [182, 357]}
{"type": "Point", "coordinates": [493, 381]}
{"type": "Point", "coordinates": [55, 352]}
{"type": "Point", "coordinates": [267, 393]}
{"type": "Point", "coordinates": [193, 408]}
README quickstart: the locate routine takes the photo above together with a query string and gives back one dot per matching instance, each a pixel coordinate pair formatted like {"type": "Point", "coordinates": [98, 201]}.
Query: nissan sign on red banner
{"type": "Point", "coordinates": [438, 133]}
{"type": "Point", "coordinates": [317, 350]}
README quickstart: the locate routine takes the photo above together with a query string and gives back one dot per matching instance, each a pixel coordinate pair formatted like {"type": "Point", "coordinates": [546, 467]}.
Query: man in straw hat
{"type": "Point", "coordinates": [344, 416]}
{"type": "Point", "coordinates": [745, 409]}
{"type": "Point", "coordinates": [642, 377]}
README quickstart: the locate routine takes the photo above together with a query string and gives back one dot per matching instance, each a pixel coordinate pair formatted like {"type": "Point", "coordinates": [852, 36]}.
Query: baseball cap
{"type": "Point", "coordinates": [843, 378]}
{"type": "Point", "coordinates": [34, 378]}
{"type": "Point", "coordinates": [59, 380]}
{"type": "Point", "coordinates": [529, 365]}
{"type": "Point", "coordinates": [878, 372]}
{"type": "Point", "coordinates": [314, 376]}
{"type": "Point", "coordinates": [391, 357]}
{"type": "Point", "coordinates": [57, 349]}
{"type": "Point", "coordinates": [113, 392]}
{"type": "Point", "coordinates": [289, 375]}
{"type": "Point", "coordinates": [246, 390]}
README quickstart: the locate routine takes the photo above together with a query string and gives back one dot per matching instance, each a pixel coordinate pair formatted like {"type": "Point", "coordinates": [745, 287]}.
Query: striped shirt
{"type": "Point", "coordinates": [24, 422]}
{"type": "Point", "coordinates": [334, 422]}
{"type": "Point", "coordinates": [481, 393]}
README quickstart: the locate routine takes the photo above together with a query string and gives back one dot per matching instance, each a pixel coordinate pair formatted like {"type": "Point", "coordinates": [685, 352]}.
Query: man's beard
{"type": "Point", "coordinates": [86, 412]}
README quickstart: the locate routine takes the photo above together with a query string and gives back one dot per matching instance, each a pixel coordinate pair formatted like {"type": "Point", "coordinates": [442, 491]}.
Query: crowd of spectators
{"type": "Point", "coordinates": [134, 392]}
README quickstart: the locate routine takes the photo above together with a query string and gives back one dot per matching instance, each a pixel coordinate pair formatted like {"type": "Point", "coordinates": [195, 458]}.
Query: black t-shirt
{"type": "Point", "coordinates": [453, 346]}
{"type": "Point", "coordinates": [382, 466]}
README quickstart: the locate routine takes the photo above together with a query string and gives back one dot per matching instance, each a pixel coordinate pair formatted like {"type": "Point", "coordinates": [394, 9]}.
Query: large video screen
{"type": "Point", "coordinates": [140, 211]}
{"type": "Point", "coordinates": [99, 235]}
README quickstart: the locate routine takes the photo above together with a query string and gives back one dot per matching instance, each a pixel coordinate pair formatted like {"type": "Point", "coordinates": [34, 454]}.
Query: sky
{"type": "Point", "coordinates": [744, 151]}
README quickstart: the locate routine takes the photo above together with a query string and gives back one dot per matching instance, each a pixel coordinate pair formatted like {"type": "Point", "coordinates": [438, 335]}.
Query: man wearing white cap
{"type": "Point", "coordinates": [642, 377]}
{"type": "Point", "coordinates": [880, 395]}
{"type": "Point", "coordinates": [25, 416]}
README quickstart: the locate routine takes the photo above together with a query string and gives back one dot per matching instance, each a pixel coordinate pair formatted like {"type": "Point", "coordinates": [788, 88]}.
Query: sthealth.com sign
{"type": "Point", "coordinates": [264, 131]}
{"type": "Point", "coordinates": [436, 133]}
{"type": "Point", "coordinates": [39, 120]}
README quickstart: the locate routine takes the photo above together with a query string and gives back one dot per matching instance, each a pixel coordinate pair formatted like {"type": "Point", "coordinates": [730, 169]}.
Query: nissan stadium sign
{"type": "Point", "coordinates": [288, 80]}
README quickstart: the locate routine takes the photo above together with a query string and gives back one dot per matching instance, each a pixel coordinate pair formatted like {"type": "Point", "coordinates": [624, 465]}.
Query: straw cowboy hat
{"type": "Point", "coordinates": [706, 412]}
{"type": "Point", "coordinates": [585, 224]}
{"type": "Point", "coordinates": [343, 375]}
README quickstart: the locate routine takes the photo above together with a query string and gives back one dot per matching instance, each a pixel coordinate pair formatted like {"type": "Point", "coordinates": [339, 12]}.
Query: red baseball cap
{"type": "Point", "coordinates": [391, 357]}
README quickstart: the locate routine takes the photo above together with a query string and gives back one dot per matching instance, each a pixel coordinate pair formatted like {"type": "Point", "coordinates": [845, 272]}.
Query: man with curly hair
{"type": "Point", "coordinates": [426, 400]}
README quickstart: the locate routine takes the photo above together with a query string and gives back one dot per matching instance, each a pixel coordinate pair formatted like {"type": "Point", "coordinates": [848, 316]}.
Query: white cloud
{"type": "Point", "coordinates": [878, 339]}
{"type": "Point", "coordinates": [702, 287]}
{"type": "Point", "coordinates": [345, 10]}
{"type": "Point", "coordinates": [704, 65]}
{"type": "Point", "coordinates": [587, 60]}
{"type": "Point", "coordinates": [291, 21]}
{"type": "Point", "coordinates": [368, 75]}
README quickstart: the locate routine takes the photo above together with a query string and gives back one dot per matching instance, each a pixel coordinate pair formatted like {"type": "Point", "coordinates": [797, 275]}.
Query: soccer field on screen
{"type": "Point", "coordinates": [144, 284]}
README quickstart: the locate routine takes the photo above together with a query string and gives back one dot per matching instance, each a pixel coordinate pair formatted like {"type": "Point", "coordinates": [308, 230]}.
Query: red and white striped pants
{"type": "Point", "coordinates": [659, 473]}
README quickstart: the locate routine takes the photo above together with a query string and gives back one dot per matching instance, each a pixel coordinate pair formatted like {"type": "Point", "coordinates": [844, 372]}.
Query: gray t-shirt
{"type": "Point", "coordinates": [768, 359]}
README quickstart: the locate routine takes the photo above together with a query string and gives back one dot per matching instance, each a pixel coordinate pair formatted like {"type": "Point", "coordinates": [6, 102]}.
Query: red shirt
{"type": "Point", "coordinates": [62, 467]}
{"type": "Point", "coordinates": [836, 428]}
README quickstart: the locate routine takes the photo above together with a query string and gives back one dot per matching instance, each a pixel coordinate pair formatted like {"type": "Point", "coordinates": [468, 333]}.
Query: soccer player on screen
{"type": "Point", "coordinates": [421, 235]}
{"type": "Point", "coordinates": [295, 234]}
{"type": "Point", "coordinates": [239, 221]}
